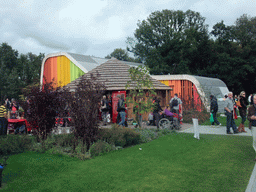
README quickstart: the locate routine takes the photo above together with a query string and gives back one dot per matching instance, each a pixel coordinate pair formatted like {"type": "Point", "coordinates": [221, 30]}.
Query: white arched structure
{"type": "Point", "coordinates": [205, 86]}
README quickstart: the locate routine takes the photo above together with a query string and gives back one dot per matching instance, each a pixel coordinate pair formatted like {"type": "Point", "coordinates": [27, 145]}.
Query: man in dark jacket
{"type": "Point", "coordinates": [214, 110]}
{"type": "Point", "coordinates": [252, 118]}
{"type": "Point", "coordinates": [121, 109]}
{"type": "Point", "coordinates": [157, 111]}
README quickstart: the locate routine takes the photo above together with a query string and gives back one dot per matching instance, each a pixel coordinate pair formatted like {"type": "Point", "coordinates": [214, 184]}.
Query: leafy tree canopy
{"type": "Point", "coordinates": [177, 42]}
{"type": "Point", "coordinates": [122, 55]}
{"type": "Point", "coordinates": [141, 91]}
{"type": "Point", "coordinates": [166, 37]}
{"type": "Point", "coordinates": [17, 71]}
{"type": "Point", "coordinates": [222, 32]}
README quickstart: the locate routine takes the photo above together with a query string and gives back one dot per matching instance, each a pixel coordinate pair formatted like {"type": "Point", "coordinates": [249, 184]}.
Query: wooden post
{"type": "Point", "coordinates": [166, 97]}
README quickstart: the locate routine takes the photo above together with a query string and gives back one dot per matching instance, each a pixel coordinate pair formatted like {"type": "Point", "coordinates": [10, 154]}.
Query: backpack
{"type": "Point", "coordinates": [174, 103]}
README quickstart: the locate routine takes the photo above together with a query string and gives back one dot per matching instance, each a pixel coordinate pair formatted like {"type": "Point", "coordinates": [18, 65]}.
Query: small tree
{"type": "Point", "coordinates": [141, 91]}
{"type": "Point", "coordinates": [41, 107]}
{"type": "Point", "coordinates": [84, 106]}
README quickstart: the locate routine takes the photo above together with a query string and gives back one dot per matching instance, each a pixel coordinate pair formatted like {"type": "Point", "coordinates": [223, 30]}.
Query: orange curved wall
{"type": "Point", "coordinates": [61, 71]}
{"type": "Point", "coordinates": [186, 90]}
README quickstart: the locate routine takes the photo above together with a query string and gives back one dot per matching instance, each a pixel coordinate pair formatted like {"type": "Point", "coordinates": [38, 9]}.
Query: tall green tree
{"type": "Point", "coordinates": [245, 36]}
{"type": "Point", "coordinates": [119, 54]}
{"type": "Point", "coordinates": [8, 62]}
{"type": "Point", "coordinates": [165, 39]}
{"type": "Point", "coordinates": [123, 55]}
{"type": "Point", "coordinates": [233, 56]}
{"type": "Point", "coordinates": [223, 33]}
{"type": "Point", "coordinates": [17, 71]}
{"type": "Point", "coordinates": [29, 67]}
{"type": "Point", "coordinates": [245, 30]}
{"type": "Point", "coordinates": [8, 56]}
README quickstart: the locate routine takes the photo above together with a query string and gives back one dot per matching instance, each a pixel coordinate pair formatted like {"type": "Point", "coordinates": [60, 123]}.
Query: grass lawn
{"type": "Point", "coordinates": [175, 162]}
{"type": "Point", "coordinates": [223, 121]}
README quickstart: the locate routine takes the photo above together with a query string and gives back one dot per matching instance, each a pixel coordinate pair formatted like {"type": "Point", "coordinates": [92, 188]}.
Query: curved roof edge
{"type": "Point", "coordinates": [59, 54]}
{"type": "Point", "coordinates": [181, 77]}
{"type": "Point", "coordinates": [194, 80]}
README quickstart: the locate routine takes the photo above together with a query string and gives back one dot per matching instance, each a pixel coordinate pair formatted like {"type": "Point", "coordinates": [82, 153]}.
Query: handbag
{"type": "Point", "coordinates": [238, 103]}
{"type": "Point", "coordinates": [211, 118]}
{"type": "Point", "coordinates": [234, 114]}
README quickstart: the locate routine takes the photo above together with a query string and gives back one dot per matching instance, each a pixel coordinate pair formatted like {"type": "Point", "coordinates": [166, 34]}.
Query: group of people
{"type": "Point", "coordinates": [231, 105]}
{"type": "Point", "coordinates": [174, 107]}
{"type": "Point", "coordinates": [9, 110]}
{"type": "Point", "coordinates": [230, 111]}
{"type": "Point", "coordinates": [106, 109]}
{"type": "Point", "coordinates": [12, 108]}
{"type": "Point", "coordinates": [245, 111]}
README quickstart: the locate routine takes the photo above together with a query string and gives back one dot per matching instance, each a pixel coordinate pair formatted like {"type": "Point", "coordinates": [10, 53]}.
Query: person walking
{"type": "Point", "coordinates": [157, 111]}
{"type": "Point", "coordinates": [252, 119]}
{"type": "Point", "coordinates": [3, 118]}
{"type": "Point", "coordinates": [175, 104]}
{"type": "Point", "coordinates": [214, 110]}
{"type": "Point", "coordinates": [121, 109]}
{"type": "Point", "coordinates": [104, 109]}
{"type": "Point", "coordinates": [242, 111]}
{"type": "Point", "coordinates": [229, 110]}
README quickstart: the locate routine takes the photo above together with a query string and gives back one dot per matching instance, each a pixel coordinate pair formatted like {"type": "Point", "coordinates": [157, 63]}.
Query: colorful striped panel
{"type": "Point", "coordinates": [50, 70]}
{"type": "Point", "coordinates": [75, 72]}
{"type": "Point", "coordinates": [61, 70]}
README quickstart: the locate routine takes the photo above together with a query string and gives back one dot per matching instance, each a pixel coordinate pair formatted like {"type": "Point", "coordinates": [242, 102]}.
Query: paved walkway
{"type": "Point", "coordinates": [221, 130]}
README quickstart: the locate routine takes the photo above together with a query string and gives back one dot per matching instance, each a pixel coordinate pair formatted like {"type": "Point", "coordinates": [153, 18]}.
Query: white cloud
{"type": "Point", "coordinates": [96, 27]}
{"type": "Point", "coordinates": [226, 10]}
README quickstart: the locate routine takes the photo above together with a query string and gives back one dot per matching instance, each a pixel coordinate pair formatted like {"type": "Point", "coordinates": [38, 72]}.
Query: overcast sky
{"type": "Point", "coordinates": [96, 27]}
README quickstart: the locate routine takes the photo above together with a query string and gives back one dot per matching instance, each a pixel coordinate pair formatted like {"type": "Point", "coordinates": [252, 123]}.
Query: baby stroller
{"type": "Point", "coordinates": [167, 122]}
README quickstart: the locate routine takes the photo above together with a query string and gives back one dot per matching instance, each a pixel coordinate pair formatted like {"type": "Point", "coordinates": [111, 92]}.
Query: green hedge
{"type": "Point", "coordinates": [109, 139]}
{"type": "Point", "coordinates": [120, 136]}
{"type": "Point", "coordinates": [100, 147]}
{"type": "Point", "coordinates": [13, 144]}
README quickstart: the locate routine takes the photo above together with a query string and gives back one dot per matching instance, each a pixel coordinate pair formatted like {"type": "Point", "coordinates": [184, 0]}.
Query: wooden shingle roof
{"type": "Point", "coordinates": [114, 75]}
